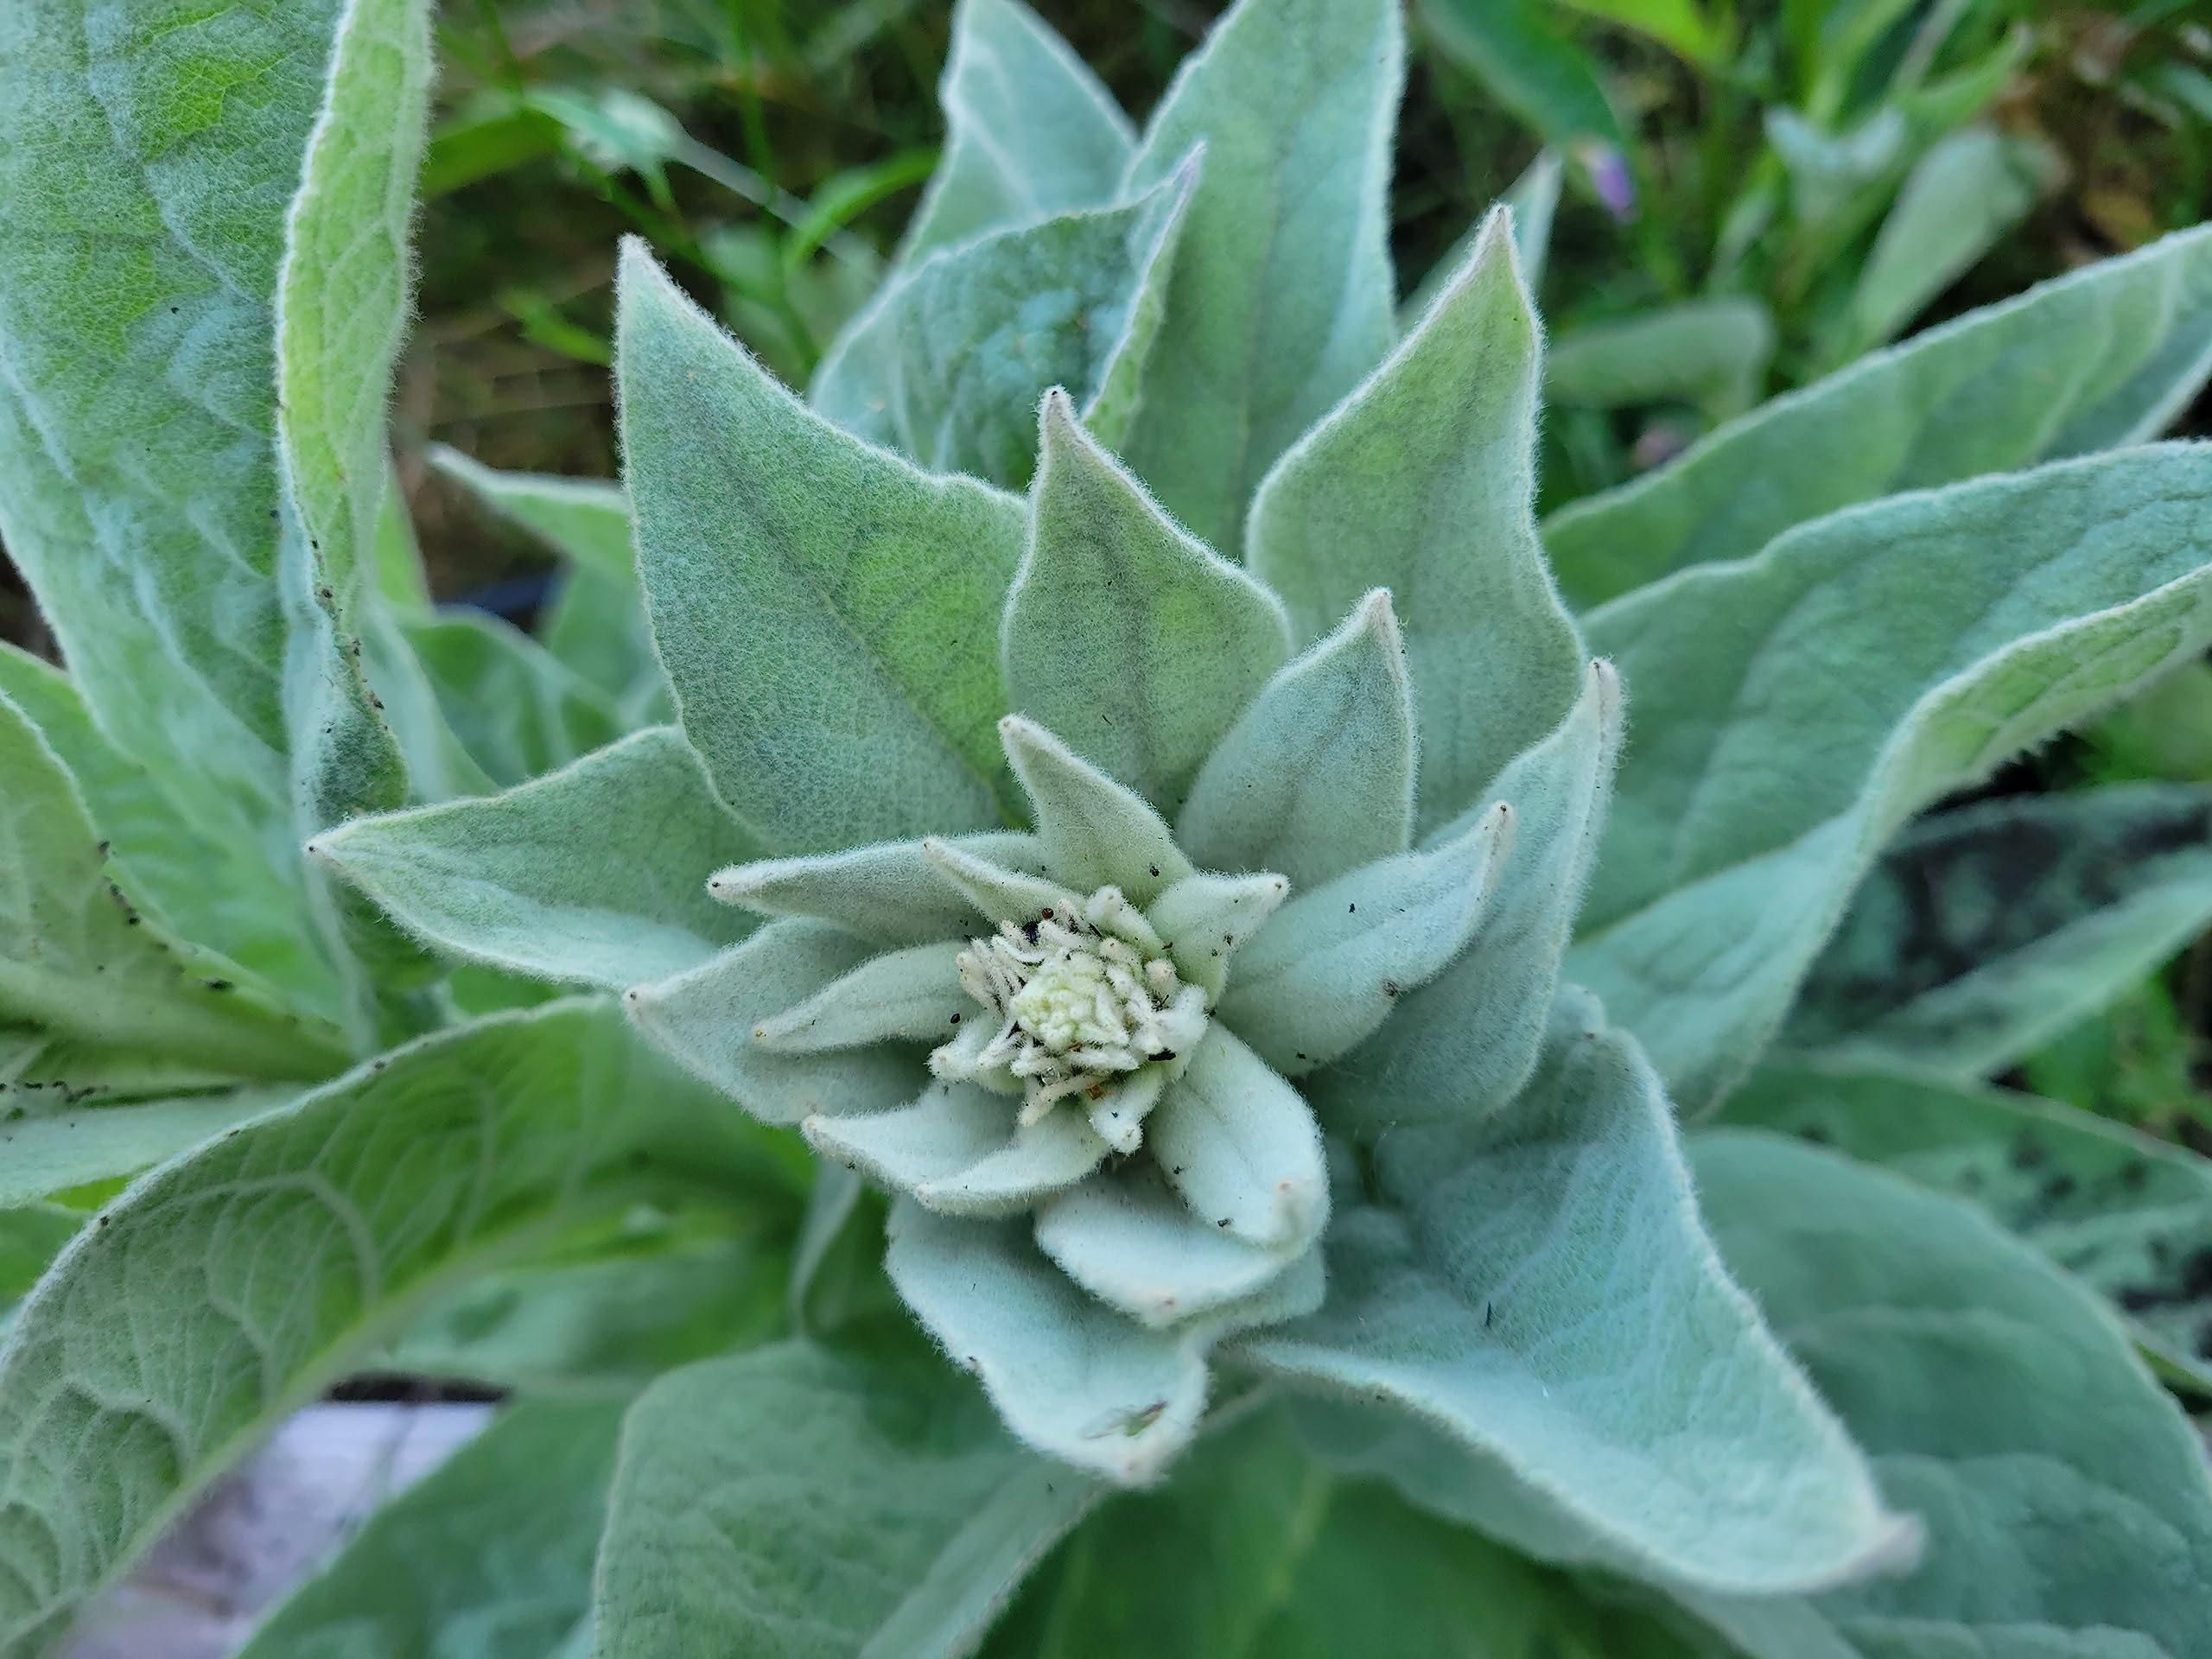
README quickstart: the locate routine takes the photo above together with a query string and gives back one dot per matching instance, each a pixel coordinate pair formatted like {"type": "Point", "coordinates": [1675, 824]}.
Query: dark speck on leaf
{"type": "Point", "coordinates": [1155, 869]}
{"type": "Point", "coordinates": [1813, 1133]}
{"type": "Point", "coordinates": [220, 985]}
{"type": "Point", "coordinates": [2058, 1187]}
{"type": "Point", "coordinates": [2133, 1174]}
{"type": "Point", "coordinates": [2026, 1154]}
{"type": "Point", "coordinates": [1223, 1221]}
{"type": "Point", "coordinates": [1351, 910]}
{"type": "Point", "coordinates": [1161, 1054]}
{"type": "Point", "coordinates": [956, 1018]}
{"type": "Point", "coordinates": [1390, 988]}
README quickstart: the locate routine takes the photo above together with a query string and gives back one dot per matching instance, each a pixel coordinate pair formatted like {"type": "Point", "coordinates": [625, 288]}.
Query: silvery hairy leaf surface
{"type": "Point", "coordinates": [1082, 995]}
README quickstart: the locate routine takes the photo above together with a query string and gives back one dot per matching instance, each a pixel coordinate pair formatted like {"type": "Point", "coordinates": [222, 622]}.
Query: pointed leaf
{"type": "Point", "coordinates": [1240, 1146]}
{"type": "Point", "coordinates": [1983, 933]}
{"type": "Point", "coordinates": [76, 1145]}
{"type": "Point", "coordinates": [1535, 1284]}
{"type": "Point", "coordinates": [705, 1019]}
{"type": "Point", "coordinates": [1423, 481]}
{"type": "Point", "coordinates": [957, 1150]}
{"type": "Point", "coordinates": [1787, 724]}
{"type": "Point", "coordinates": [913, 995]}
{"type": "Point", "coordinates": [1281, 298]}
{"type": "Point", "coordinates": [2102, 357]}
{"type": "Point", "coordinates": [594, 873]}
{"type": "Point", "coordinates": [371, 1192]}
{"type": "Point", "coordinates": [1206, 918]}
{"type": "Point", "coordinates": [1878, 1287]}
{"type": "Point", "coordinates": [1532, 201]}
{"type": "Point", "coordinates": [585, 519]}
{"type": "Point", "coordinates": [1323, 975]}
{"type": "Point", "coordinates": [518, 710]}
{"type": "Point", "coordinates": [947, 364]}
{"type": "Point", "coordinates": [1125, 636]}
{"type": "Point", "coordinates": [892, 893]}
{"type": "Point", "coordinates": [1464, 1044]}
{"type": "Point", "coordinates": [816, 1505]}
{"type": "Point", "coordinates": [866, 714]}
{"type": "Point", "coordinates": [1029, 130]}
{"type": "Point", "coordinates": [2127, 1216]}
{"type": "Point", "coordinates": [79, 962]}
{"type": "Point", "coordinates": [495, 1544]}
{"type": "Point", "coordinates": [1316, 777]}
{"type": "Point", "coordinates": [1135, 1245]}
{"type": "Point", "coordinates": [1094, 831]}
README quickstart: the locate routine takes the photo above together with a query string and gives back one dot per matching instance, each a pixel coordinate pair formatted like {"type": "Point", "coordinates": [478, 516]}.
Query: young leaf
{"type": "Point", "coordinates": [1316, 777]}
{"type": "Point", "coordinates": [1280, 296]}
{"type": "Point", "coordinates": [1094, 831]}
{"type": "Point", "coordinates": [1983, 933]}
{"type": "Point", "coordinates": [1880, 1289]}
{"type": "Point", "coordinates": [866, 713]}
{"type": "Point", "coordinates": [1422, 482]}
{"type": "Point", "coordinates": [1671, 1433]}
{"type": "Point", "coordinates": [80, 962]}
{"type": "Point", "coordinates": [957, 1150]}
{"type": "Point", "coordinates": [1029, 132]}
{"type": "Point", "coordinates": [947, 365]}
{"type": "Point", "coordinates": [1139, 1248]}
{"type": "Point", "coordinates": [518, 711]}
{"type": "Point", "coordinates": [1134, 645]}
{"type": "Point", "coordinates": [595, 874]}
{"type": "Point", "coordinates": [373, 1191]}
{"type": "Point", "coordinates": [2104, 357]}
{"type": "Point", "coordinates": [813, 1505]}
{"type": "Point", "coordinates": [1240, 1146]}
{"type": "Point", "coordinates": [893, 893]}
{"type": "Point", "coordinates": [498, 1542]}
{"type": "Point", "coordinates": [1463, 1043]}
{"type": "Point", "coordinates": [2128, 1216]}
{"type": "Point", "coordinates": [1797, 708]}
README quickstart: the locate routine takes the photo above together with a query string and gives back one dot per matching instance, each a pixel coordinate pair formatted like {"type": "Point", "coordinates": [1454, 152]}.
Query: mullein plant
{"type": "Point", "coordinates": [1058, 1011]}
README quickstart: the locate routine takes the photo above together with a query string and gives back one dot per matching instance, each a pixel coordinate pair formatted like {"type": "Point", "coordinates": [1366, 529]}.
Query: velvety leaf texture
{"type": "Point", "coordinates": [2071, 1517]}
{"type": "Point", "coordinates": [77, 1146]}
{"type": "Point", "coordinates": [1984, 932]}
{"type": "Point", "coordinates": [2102, 357]}
{"type": "Point", "coordinates": [162, 1346]}
{"type": "Point", "coordinates": [1795, 709]}
{"type": "Point", "coordinates": [826, 612]}
{"type": "Point", "coordinates": [2128, 1216]}
{"type": "Point", "coordinates": [1537, 1286]}
{"type": "Point", "coordinates": [516, 710]}
{"type": "Point", "coordinates": [1281, 293]}
{"type": "Point", "coordinates": [813, 1506]}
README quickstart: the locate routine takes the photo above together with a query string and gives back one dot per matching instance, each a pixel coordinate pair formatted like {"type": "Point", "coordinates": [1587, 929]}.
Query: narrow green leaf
{"type": "Point", "coordinates": [79, 961]}
{"type": "Point", "coordinates": [2128, 1216]}
{"type": "Point", "coordinates": [814, 1506]}
{"type": "Point", "coordinates": [1536, 1285]}
{"type": "Point", "coordinates": [490, 1555]}
{"type": "Point", "coordinates": [1125, 636]}
{"type": "Point", "coordinates": [1981, 934]}
{"type": "Point", "coordinates": [1316, 777]}
{"type": "Point", "coordinates": [1532, 202]}
{"type": "Point", "coordinates": [1464, 1044]}
{"type": "Point", "coordinates": [1029, 132]}
{"type": "Point", "coordinates": [1512, 48]}
{"type": "Point", "coordinates": [373, 1192]}
{"type": "Point", "coordinates": [1880, 1288]}
{"type": "Point", "coordinates": [1094, 831]}
{"type": "Point", "coordinates": [1711, 352]}
{"type": "Point", "coordinates": [595, 874]}
{"type": "Point", "coordinates": [946, 366]}
{"type": "Point", "coordinates": [957, 1149]}
{"type": "Point", "coordinates": [1795, 708]}
{"type": "Point", "coordinates": [587, 520]}
{"type": "Point", "coordinates": [516, 710]}
{"type": "Point", "coordinates": [65, 1145]}
{"type": "Point", "coordinates": [1423, 481]}
{"type": "Point", "coordinates": [893, 893]}
{"type": "Point", "coordinates": [1281, 297]}
{"type": "Point", "coordinates": [2104, 357]}
{"type": "Point", "coordinates": [867, 712]}
{"type": "Point", "coordinates": [397, 577]}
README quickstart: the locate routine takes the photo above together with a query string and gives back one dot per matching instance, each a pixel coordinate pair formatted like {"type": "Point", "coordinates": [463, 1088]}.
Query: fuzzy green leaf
{"type": "Point", "coordinates": [1983, 933]}
{"type": "Point", "coordinates": [1205, 918]}
{"type": "Point", "coordinates": [1029, 132]}
{"type": "Point", "coordinates": [587, 520]}
{"type": "Point", "coordinates": [517, 709]}
{"type": "Point", "coordinates": [1138, 1246]}
{"type": "Point", "coordinates": [489, 1556]}
{"type": "Point", "coordinates": [893, 893]}
{"type": "Point", "coordinates": [1240, 1146]}
{"type": "Point", "coordinates": [1532, 201]}
{"type": "Point", "coordinates": [1795, 709]}
{"type": "Point", "coordinates": [2128, 1216]}
{"type": "Point", "coordinates": [1712, 353]}
{"type": "Point", "coordinates": [1323, 977]}
{"type": "Point", "coordinates": [595, 874]}
{"type": "Point", "coordinates": [1316, 777]}
{"type": "Point", "coordinates": [1094, 831]}
{"type": "Point", "coordinates": [1464, 1043]}
{"type": "Point", "coordinates": [956, 1150]}
{"type": "Point", "coordinates": [865, 712]}
{"type": "Point", "coordinates": [373, 1191]}
{"type": "Point", "coordinates": [66, 1146]}
{"type": "Point", "coordinates": [1536, 1285]}
{"type": "Point", "coordinates": [1281, 297]}
{"type": "Point", "coordinates": [946, 366]}
{"type": "Point", "coordinates": [815, 1506]}
{"type": "Point", "coordinates": [1126, 636]}
{"type": "Point", "coordinates": [1070, 1377]}
{"type": "Point", "coordinates": [81, 963]}
{"type": "Point", "coordinates": [2072, 1517]}
{"type": "Point", "coordinates": [706, 1019]}
{"type": "Point", "coordinates": [2103, 356]}
{"type": "Point", "coordinates": [1423, 482]}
